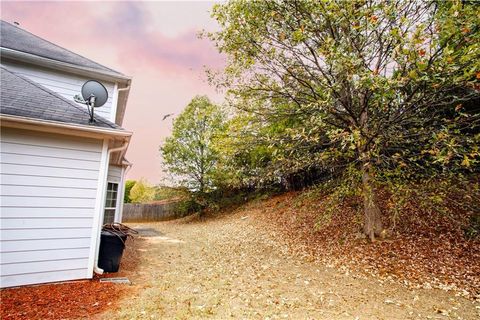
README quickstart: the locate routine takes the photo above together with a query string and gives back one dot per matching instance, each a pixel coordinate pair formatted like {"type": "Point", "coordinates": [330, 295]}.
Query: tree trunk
{"type": "Point", "coordinates": [373, 216]}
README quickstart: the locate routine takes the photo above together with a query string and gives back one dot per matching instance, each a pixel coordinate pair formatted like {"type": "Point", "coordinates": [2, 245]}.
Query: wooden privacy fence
{"type": "Point", "coordinates": [150, 211]}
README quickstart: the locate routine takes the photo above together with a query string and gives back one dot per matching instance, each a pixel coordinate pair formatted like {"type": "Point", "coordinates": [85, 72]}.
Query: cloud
{"type": "Point", "coordinates": [125, 26]}
{"type": "Point", "coordinates": [130, 25]}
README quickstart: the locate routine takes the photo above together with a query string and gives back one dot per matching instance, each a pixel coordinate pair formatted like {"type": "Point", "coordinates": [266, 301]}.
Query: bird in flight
{"type": "Point", "coordinates": [167, 115]}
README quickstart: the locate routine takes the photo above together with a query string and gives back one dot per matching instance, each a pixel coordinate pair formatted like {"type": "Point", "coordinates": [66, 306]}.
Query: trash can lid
{"type": "Point", "coordinates": [111, 233]}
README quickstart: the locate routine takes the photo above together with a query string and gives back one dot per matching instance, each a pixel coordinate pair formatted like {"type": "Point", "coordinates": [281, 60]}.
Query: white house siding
{"type": "Point", "coordinates": [48, 187]}
{"type": "Point", "coordinates": [114, 174]}
{"type": "Point", "coordinates": [65, 84]}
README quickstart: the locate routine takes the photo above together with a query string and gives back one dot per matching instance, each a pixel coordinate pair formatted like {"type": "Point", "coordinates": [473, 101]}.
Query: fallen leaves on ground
{"type": "Point", "coordinates": [233, 266]}
{"type": "Point", "coordinates": [266, 259]}
{"type": "Point", "coordinates": [427, 251]}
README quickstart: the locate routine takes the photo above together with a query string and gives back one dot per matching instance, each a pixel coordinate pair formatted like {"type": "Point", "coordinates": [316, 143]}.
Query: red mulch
{"type": "Point", "coordinates": [424, 250]}
{"type": "Point", "coordinates": [69, 300]}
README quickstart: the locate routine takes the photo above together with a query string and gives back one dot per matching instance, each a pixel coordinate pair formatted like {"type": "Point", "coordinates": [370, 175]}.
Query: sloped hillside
{"type": "Point", "coordinates": [420, 250]}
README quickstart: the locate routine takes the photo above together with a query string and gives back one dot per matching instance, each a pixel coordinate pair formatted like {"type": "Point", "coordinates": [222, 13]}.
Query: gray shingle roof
{"type": "Point", "coordinates": [15, 38]}
{"type": "Point", "coordinates": [20, 96]}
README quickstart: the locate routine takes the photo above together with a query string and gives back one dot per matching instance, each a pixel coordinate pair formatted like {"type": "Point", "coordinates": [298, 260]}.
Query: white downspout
{"type": "Point", "coordinates": [122, 196]}
{"type": "Point", "coordinates": [96, 269]}
{"type": "Point", "coordinates": [127, 89]}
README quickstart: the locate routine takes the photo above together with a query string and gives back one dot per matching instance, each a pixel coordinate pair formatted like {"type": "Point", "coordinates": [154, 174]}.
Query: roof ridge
{"type": "Point", "coordinates": [56, 45]}
{"type": "Point", "coordinates": [56, 95]}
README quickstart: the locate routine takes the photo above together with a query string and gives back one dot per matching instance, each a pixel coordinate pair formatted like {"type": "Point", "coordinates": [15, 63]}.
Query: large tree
{"type": "Point", "coordinates": [360, 83]}
{"type": "Point", "coordinates": [189, 153]}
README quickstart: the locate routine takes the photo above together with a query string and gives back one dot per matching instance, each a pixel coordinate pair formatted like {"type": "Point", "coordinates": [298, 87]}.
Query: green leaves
{"type": "Point", "coordinates": [141, 192]}
{"type": "Point", "coordinates": [128, 186]}
{"type": "Point", "coordinates": [359, 66]}
{"type": "Point", "coordinates": [333, 85]}
{"type": "Point", "coordinates": [189, 154]}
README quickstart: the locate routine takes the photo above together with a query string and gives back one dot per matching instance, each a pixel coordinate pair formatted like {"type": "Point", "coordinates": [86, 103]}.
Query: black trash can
{"type": "Point", "coordinates": [111, 249]}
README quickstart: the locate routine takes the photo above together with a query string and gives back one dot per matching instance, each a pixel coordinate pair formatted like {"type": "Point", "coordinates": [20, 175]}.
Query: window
{"type": "Point", "coordinates": [110, 203]}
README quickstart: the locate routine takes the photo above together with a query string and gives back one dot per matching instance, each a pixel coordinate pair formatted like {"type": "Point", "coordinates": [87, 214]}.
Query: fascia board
{"type": "Point", "coordinates": [61, 128]}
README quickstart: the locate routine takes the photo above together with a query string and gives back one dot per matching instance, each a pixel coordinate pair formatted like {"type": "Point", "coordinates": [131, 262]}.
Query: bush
{"type": "Point", "coordinates": [472, 231]}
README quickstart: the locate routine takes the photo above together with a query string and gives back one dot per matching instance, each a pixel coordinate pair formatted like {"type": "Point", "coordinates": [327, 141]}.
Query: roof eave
{"type": "Point", "coordinates": [61, 127]}
{"type": "Point", "coordinates": [64, 66]}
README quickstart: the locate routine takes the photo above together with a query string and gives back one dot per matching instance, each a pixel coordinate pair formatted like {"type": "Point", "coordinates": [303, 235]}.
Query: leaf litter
{"type": "Point", "coordinates": [269, 266]}
{"type": "Point", "coordinates": [272, 265]}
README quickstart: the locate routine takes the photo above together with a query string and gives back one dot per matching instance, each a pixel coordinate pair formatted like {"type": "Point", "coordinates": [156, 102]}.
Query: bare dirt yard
{"type": "Point", "coordinates": [235, 267]}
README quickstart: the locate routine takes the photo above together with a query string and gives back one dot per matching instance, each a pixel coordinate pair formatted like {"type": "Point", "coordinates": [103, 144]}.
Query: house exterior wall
{"type": "Point", "coordinates": [65, 84]}
{"type": "Point", "coordinates": [115, 175]}
{"type": "Point", "coordinates": [48, 199]}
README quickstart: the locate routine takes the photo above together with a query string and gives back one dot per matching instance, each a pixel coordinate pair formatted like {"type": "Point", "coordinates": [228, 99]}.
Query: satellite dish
{"type": "Point", "coordinates": [94, 92]}
{"type": "Point", "coordinates": [94, 95]}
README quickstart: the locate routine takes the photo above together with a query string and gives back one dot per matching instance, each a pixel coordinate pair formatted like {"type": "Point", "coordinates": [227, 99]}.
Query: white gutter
{"type": "Point", "coordinates": [60, 65]}
{"type": "Point", "coordinates": [96, 268]}
{"type": "Point", "coordinates": [125, 88]}
{"type": "Point", "coordinates": [5, 119]}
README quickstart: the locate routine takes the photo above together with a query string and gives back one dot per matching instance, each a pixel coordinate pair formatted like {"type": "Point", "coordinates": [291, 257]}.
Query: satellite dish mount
{"type": "Point", "coordinates": [94, 95]}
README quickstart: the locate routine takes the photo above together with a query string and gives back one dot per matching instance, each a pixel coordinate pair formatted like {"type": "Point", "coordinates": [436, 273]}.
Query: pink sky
{"type": "Point", "coordinates": [153, 42]}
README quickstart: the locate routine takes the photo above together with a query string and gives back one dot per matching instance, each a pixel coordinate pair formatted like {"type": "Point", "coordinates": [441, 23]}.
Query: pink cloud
{"type": "Point", "coordinates": [125, 27]}
{"type": "Point", "coordinates": [129, 25]}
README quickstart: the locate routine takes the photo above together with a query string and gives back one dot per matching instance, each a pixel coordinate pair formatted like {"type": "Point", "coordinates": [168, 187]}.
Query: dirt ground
{"type": "Point", "coordinates": [232, 268]}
